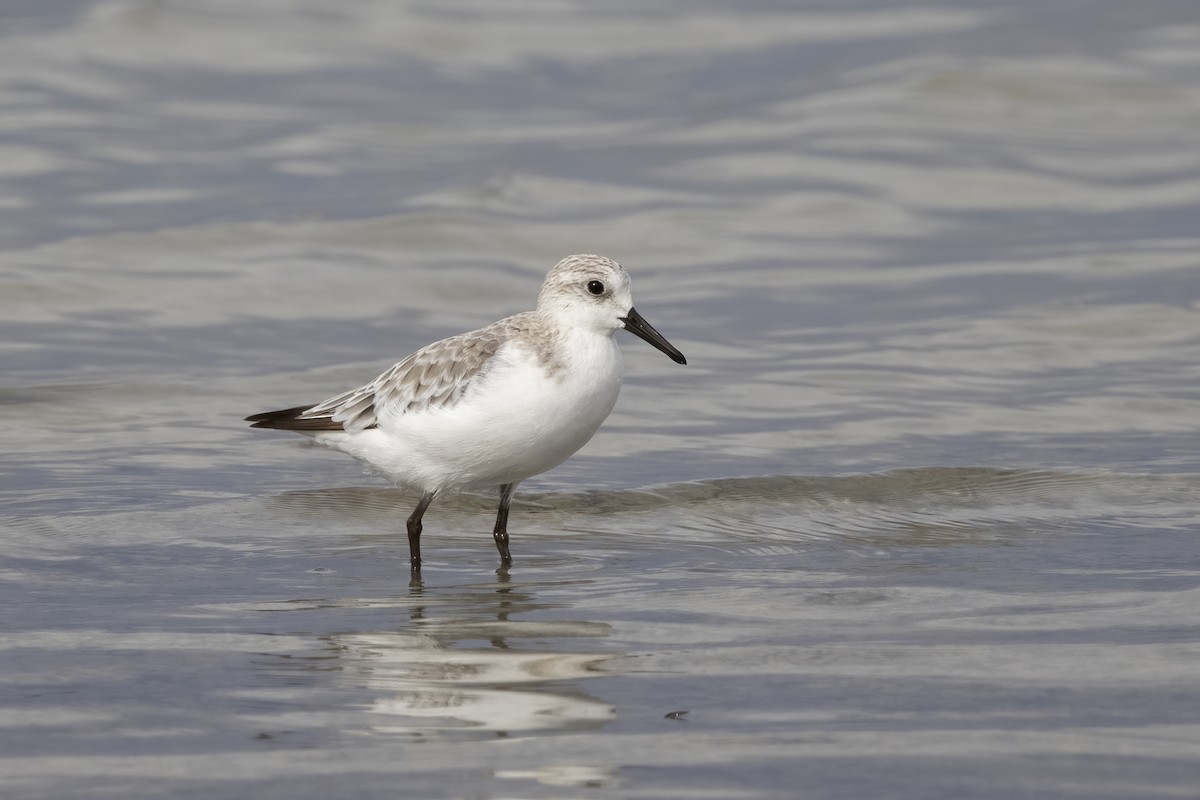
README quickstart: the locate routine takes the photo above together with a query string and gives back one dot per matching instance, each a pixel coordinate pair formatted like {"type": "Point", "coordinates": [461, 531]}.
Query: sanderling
{"type": "Point", "coordinates": [490, 407]}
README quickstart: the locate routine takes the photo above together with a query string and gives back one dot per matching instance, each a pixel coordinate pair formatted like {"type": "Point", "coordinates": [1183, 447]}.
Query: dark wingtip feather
{"type": "Point", "coordinates": [288, 419]}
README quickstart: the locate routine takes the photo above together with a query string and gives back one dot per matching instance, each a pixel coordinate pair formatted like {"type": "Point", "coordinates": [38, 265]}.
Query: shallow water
{"type": "Point", "coordinates": [918, 519]}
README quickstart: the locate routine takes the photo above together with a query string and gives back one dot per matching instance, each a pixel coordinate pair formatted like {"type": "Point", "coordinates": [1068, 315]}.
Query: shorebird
{"type": "Point", "coordinates": [494, 406]}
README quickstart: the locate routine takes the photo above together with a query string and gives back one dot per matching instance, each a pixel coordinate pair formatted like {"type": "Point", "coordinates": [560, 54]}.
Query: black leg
{"type": "Point", "coordinates": [414, 530]}
{"type": "Point", "coordinates": [500, 533]}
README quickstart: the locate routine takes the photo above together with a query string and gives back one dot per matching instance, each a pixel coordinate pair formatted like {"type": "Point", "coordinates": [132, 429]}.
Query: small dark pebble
{"type": "Point", "coordinates": [674, 715]}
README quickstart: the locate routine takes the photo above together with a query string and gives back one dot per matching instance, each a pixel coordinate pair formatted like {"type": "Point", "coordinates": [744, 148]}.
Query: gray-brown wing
{"type": "Point", "coordinates": [437, 375]}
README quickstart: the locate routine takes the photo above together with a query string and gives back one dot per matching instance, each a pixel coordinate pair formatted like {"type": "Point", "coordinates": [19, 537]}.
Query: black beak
{"type": "Point", "coordinates": [635, 324]}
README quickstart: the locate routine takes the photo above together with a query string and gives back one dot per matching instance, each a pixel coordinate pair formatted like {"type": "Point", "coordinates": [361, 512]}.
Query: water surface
{"type": "Point", "coordinates": [917, 520]}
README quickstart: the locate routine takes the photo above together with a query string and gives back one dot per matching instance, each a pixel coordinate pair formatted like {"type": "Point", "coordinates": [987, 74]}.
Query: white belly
{"type": "Point", "coordinates": [519, 420]}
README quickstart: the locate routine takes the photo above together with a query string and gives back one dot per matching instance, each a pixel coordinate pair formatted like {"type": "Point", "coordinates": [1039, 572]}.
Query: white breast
{"type": "Point", "coordinates": [521, 418]}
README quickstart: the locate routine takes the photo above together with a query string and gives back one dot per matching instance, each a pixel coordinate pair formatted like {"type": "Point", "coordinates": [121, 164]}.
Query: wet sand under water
{"type": "Point", "coordinates": [922, 625]}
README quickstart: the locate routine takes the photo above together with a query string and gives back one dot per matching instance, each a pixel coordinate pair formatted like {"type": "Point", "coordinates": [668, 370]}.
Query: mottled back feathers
{"type": "Point", "coordinates": [436, 376]}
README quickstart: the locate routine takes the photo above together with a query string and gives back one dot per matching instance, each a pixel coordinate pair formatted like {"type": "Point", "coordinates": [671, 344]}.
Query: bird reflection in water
{"type": "Point", "coordinates": [431, 680]}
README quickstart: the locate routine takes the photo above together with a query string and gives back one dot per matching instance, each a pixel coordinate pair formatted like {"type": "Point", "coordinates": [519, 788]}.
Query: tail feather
{"type": "Point", "coordinates": [290, 419]}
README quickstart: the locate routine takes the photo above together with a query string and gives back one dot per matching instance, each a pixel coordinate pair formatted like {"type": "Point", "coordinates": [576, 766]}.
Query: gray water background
{"type": "Point", "coordinates": [918, 520]}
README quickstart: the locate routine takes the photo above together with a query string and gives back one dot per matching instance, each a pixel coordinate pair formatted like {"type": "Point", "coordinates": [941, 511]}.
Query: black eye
{"type": "Point", "coordinates": [595, 287]}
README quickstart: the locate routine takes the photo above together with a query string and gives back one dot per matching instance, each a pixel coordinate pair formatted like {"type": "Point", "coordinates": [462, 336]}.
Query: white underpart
{"type": "Point", "coordinates": [519, 419]}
